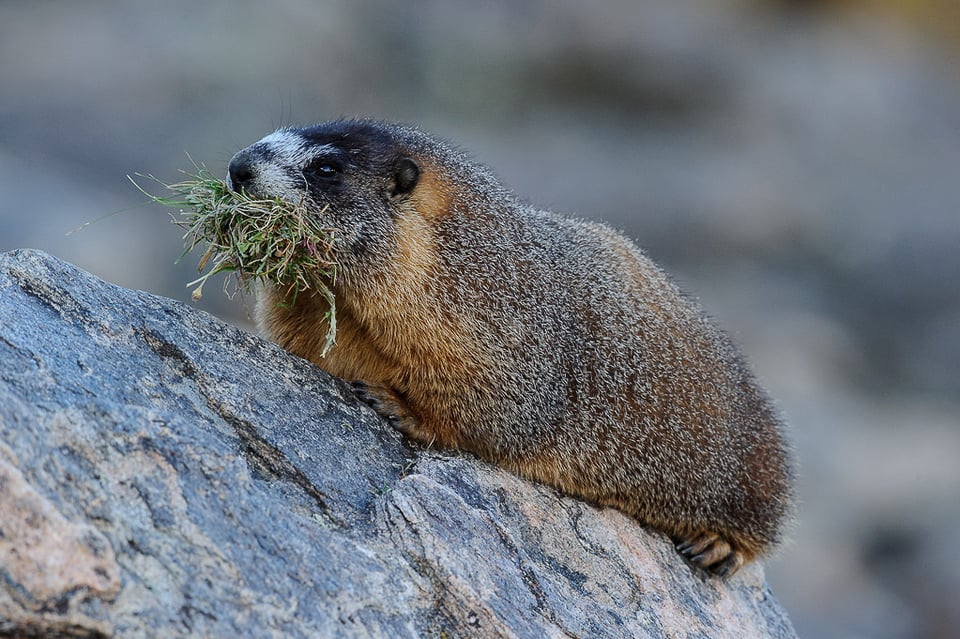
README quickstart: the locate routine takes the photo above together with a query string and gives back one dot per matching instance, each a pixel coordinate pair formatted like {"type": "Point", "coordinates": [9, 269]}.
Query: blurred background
{"type": "Point", "coordinates": [795, 164]}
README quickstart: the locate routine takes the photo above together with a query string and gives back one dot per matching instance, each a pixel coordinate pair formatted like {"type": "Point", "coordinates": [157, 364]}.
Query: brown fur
{"type": "Point", "coordinates": [550, 346]}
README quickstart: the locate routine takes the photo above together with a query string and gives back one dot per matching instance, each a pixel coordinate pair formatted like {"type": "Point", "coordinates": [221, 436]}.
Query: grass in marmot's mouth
{"type": "Point", "coordinates": [269, 240]}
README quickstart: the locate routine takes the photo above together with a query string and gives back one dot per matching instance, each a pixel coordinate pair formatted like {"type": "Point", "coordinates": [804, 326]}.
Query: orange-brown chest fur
{"type": "Point", "coordinates": [393, 328]}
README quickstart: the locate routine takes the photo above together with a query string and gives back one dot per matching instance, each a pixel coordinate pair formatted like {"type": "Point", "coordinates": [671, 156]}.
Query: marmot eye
{"type": "Point", "coordinates": [324, 169]}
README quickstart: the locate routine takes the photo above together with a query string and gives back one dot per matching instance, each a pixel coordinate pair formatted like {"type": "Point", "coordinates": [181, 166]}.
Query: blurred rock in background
{"type": "Point", "coordinates": [795, 164]}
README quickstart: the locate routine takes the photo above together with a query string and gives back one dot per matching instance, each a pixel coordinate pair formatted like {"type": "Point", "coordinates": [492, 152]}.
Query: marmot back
{"type": "Point", "coordinates": [548, 345]}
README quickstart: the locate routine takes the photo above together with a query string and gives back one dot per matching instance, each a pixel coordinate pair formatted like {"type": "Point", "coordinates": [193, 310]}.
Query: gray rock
{"type": "Point", "coordinates": [164, 474]}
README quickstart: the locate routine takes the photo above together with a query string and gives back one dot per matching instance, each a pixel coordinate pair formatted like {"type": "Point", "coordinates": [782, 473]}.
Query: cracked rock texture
{"type": "Point", "coordinates": [164, 474]}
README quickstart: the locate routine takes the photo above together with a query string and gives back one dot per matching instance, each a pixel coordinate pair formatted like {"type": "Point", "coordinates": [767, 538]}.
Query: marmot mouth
{"type": "Point", "coordinates": [244, 188]}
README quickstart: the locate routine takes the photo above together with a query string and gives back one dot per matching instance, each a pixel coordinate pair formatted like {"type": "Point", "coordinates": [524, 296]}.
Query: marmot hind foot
{"type": "Point", "coordinates": [711, 552]}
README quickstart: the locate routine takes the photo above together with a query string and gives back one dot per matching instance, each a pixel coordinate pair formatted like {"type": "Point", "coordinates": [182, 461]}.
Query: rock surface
{"type": "Point", "coordinates": [164, 474]}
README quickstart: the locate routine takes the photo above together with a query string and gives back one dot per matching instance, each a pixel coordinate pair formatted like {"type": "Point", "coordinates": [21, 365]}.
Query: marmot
{"type": "Point", "coordinates": [548, 345]}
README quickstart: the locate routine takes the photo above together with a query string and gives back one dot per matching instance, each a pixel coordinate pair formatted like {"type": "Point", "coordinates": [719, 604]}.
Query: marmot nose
{"type": "Point", "coordinates": [240, 172]}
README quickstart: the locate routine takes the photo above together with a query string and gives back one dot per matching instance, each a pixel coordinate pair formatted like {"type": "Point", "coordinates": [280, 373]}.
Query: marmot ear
{"type": "Point", "coordinates": [406, 174]}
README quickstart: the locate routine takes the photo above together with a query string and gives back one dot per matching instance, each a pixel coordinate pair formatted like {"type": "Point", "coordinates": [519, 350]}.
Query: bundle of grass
{"type": "Point", "coordinates": [269, 240]}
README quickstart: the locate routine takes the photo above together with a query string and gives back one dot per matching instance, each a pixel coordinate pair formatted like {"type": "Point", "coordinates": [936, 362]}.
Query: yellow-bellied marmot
{"type": "Point", "coordinates": [548, 345]}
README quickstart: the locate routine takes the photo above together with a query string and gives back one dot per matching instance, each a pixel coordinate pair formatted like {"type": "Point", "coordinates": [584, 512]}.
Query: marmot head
{"type": "Point", "coordinates": [356, 175]}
